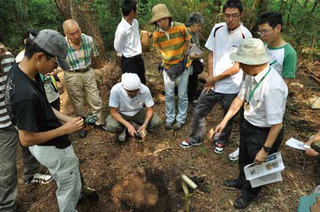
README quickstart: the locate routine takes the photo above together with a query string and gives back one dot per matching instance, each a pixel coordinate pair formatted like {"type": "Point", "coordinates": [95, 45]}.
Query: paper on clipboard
{"type": "Point", "coordinates": [195, 50]}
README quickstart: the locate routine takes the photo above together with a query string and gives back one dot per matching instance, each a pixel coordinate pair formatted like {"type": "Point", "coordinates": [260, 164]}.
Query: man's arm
{"type": "Point", "coordinates": [117, 116]}
{"type": "Point", "coordinates": [31, 138]}
{"type": "Point", "coordinates": [147, 119]}
{"type": "Point", "coordinates": [234, 108]}
{"type": "Point", "coordinates": [227, 73]}
{"type": "Point", "coordinates": [272, 136]}
{"type": "Point", "coordinates": [61, 116]}
{"type": "Point", "coordinates": [314, 138]}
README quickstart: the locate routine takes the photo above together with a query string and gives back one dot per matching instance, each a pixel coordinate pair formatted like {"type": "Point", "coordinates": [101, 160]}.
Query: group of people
{"type": "Point", "coordinates": [245, 76]}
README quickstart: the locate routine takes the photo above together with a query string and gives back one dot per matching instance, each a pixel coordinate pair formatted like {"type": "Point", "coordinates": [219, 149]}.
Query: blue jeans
{"type": "Point", "coordinates": [182, 95]}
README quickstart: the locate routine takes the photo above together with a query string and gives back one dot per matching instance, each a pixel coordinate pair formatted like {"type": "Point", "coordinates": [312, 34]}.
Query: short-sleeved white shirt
{"type": "Point", "coordinates": [127, 105]}
{"type": "Point", "coordinates": [127, 39]}
{"type": "Point", "coordinates": [222, 42]}
{"type": "Point", "coordinates": [268, 102]}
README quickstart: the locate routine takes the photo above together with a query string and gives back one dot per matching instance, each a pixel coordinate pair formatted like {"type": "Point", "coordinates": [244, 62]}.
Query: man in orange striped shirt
{"type": "Point", "coordinates": [173, 40]}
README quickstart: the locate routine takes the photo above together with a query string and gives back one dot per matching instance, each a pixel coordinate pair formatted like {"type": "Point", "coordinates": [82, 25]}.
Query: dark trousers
{"type": "Point", "coordinates": [203, 107]}
{"type": "Point", "coordinates": [193, 87]}
{"type": "Point", "coordinates": [252, 139]}
{"type": "Point", "coordinates": [134, 65]}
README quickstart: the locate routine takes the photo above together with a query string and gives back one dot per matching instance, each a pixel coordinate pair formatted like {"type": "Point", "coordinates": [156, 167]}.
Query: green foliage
{"type": "Point", "coordinates": [301, 19]}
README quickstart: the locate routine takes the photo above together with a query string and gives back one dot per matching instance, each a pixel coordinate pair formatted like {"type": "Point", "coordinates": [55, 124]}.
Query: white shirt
{"type": "Point", "coordinates": [126, 105]}
{"type": "Point", "coordinates": [222, 42]}
{"type": "Point", "coordinates": [127, 39]}
{"type": "Point", "coordinates": [268, 102]}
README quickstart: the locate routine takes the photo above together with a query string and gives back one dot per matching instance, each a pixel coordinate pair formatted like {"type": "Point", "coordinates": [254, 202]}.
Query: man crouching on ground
{"type": "Point", "coordinates": [126, 105]}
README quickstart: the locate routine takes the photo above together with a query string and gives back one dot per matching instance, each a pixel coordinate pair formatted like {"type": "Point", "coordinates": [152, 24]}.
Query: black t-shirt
{"type": "Point", "coordinates": [30, 108]}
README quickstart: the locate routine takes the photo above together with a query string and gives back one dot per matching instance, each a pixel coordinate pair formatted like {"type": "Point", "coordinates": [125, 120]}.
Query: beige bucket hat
{"type": "Point", "coordinates": [251, 51]}
{"type": "Point", "coordinates": [159, 11]}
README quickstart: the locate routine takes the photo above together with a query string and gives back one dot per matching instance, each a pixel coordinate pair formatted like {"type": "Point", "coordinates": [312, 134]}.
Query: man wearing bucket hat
{"type": "Point", "coordinates": [38, 124]}
{"type": "Point", "coordinates": [263, 95]}
{"type": "Point", "coordinates": [126, 105]}
{"type": "Point", "coordinates": [173, 40]}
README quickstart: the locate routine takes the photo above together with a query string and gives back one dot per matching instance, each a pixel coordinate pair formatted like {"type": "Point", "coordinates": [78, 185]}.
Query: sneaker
{"type": "Point", "coordinates": [123, 136]}
{"type": "Point", "coordinates": [186, 144]}
{"type": "Point", "coordinates": [82, 133]}
{"type": "Point", "coordinates": [234, 155]}
{"type": "Point", "coordinates": [89, 193]}
{"type": "Point", "coordinates": [218, 148]}
{"type": "Point", "coordinates": [38, 178]}
{"type": "Point", "coordinates": [177, 126]}
{"type": "Point", "coordinates": [168, 126]}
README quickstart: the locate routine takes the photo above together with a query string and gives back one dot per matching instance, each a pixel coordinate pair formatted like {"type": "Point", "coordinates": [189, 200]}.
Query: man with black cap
{"type": "Point", "coordinates": [39, 125]}
{"type": "Point", "coordinates": [126, 105]}
{"type": "Point", "coordinates": [263, 96]}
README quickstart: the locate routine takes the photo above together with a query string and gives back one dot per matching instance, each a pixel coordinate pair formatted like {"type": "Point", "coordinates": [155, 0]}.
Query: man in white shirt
{"type": "Point", "coordinates": [127, 41]}
{"type": "Point", "coordinates": [225, 76]}
{"type": "Point", "coordinates": [126, 105]}
{"type": "Point", "coordinates": [263, 95]}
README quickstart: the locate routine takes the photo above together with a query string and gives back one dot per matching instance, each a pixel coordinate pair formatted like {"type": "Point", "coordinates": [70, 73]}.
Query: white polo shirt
{"type": "Point", "coordinates": [127, 39]}
{"type": "Point", "coordinates": [127, 105]}
{"type": "Point", "coordinates": [222, 42]}
{"type": "Point", "coordinates": [268, 102]}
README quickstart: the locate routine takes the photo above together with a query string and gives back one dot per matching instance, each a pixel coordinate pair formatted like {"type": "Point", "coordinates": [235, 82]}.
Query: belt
{"type": "Point", "coordinates": [81, 70]}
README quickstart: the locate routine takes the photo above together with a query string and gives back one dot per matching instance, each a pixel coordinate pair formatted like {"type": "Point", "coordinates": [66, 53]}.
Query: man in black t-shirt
{"type": "Point", "coordinates": [38, 123]}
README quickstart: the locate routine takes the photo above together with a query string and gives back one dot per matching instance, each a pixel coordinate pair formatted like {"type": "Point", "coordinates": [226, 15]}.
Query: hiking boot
{"type": "Point", "coordinates": [89, 193]}
{"type": "Point", "coordinates": [38, 178]}
{"type": "Point", "coordinates": [177, 126]}
{"type": "Point", "coordinates": [186, 144]}
{"type": "Point", "coordinates": [241, 203]}
{"type": "Point", "coordinates": [234, 155]}
{"type": "Point", "coordinates": [168, 126]}
{"type": "Point", "coordinates": [219, 148]}
{"type": "Point", "coordinates": [233, 183]}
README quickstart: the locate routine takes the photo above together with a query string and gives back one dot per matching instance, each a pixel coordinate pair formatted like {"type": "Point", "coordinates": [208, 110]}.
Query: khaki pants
{"type": "Point", "coordinates": [116, 127]}
{"type": "Point", "coordinates": [83, 86]}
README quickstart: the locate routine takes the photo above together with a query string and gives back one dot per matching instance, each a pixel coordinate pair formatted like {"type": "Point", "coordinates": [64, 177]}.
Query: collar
{"type": "Point", "coordinates": [259, 76]}
{"type": "Point", "coordinates": [126, 24]}
{"type": "Point", "coordinates": [161, 30]}
{"type": "Point", "coordinates": [69, 43]}
{"type": "Point", "coordinates": [235, 30]}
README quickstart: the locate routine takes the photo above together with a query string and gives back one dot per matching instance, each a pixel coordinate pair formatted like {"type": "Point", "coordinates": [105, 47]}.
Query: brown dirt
{"type": "Point", "coordinates": [148, 171]}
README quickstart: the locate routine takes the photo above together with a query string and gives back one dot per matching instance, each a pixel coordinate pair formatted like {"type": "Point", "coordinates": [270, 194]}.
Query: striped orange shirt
{"type": "Point", "coordinates": [173, 44]}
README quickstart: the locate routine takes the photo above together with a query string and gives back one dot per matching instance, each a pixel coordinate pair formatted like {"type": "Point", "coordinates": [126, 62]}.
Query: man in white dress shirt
{"type": "Point", "coordinates": [263, 95]}
{"type": "Point", "coordinates": [127, 41]}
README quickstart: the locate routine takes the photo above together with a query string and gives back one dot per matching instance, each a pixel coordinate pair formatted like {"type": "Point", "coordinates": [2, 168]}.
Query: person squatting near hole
{"type": "Point", "coordinates": [126, 105]}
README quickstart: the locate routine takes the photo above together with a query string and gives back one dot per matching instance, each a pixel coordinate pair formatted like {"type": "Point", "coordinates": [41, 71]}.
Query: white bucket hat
{"type": "Point", "coordinates": [251, 51]}
{"type": "Point", "coordinates": [158, 12]}
{"type": "Point", "coordinates": [130, 81]}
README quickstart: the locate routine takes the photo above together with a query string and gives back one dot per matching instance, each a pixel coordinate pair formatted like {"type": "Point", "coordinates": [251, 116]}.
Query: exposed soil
{"type": "Point", "coordinates": [146, 176]}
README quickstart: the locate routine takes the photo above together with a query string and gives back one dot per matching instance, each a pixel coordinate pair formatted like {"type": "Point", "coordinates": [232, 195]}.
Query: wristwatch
{"type": "Point", "coordinates": [266, 149]}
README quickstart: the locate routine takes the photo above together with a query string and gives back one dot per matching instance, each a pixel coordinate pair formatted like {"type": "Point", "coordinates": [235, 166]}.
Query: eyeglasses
{"type": "Point", "coordinates": [233, 16]}
{"type": "Point", "coordinates": [264, 31]}
{"type": "Point", "coordinates": [55, 61]}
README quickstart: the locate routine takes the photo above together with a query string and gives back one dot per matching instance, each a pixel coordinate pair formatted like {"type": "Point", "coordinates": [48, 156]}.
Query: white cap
{"type": "Point", "coordinates": [130, 81]}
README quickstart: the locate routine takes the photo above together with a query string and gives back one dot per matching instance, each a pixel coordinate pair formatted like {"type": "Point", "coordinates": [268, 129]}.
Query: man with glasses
{"type": "Point", "coordinates": [80, 79]}
{"type": "Point", "coordinates": [225, 77]}
{"type": "Point", "coordinates": [283, 56]}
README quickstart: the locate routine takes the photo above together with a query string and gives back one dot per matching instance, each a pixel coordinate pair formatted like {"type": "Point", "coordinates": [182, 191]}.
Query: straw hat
{"type": "Point", "coordinates": [251, 51]}
{"type": "Point", "coordinates": [159, 11]}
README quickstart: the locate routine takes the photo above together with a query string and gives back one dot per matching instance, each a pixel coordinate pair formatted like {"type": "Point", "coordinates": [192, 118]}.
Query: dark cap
{"type": "Point", "coordinates": [55, 44]}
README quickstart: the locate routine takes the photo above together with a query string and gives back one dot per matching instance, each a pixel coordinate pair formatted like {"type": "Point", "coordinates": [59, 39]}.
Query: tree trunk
{"type": "Point", "coordinates": [263, 7]}
{"type": "Point", "coordinates": [87, 19]}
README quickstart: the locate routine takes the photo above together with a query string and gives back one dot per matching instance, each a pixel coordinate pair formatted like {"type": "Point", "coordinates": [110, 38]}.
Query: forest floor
{"type": "Point", "coordinates": [146, 176]}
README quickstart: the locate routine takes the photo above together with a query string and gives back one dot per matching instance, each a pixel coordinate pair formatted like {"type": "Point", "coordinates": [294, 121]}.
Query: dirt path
{"type": "Point", "coordinates": [106, 165]}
